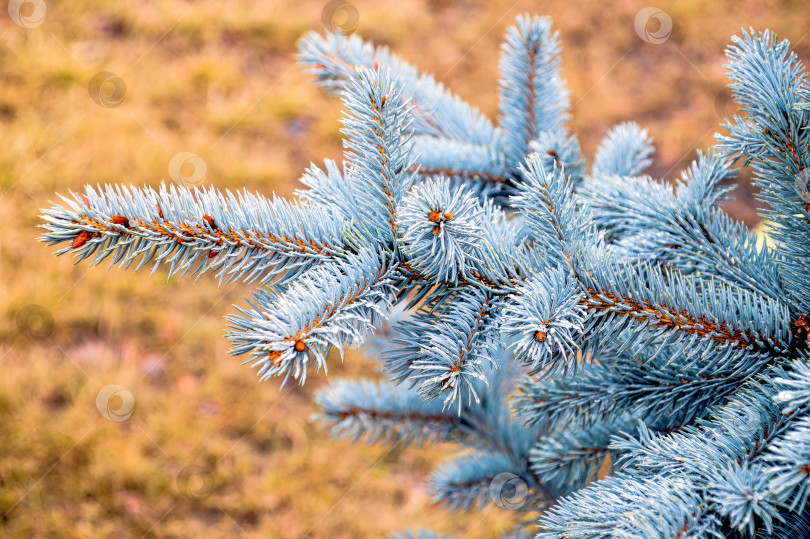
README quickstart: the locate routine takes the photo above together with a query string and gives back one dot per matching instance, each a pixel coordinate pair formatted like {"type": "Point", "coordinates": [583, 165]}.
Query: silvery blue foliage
{"type": "Point", "coordinates": [329, 306]}
{"type": "Point", "coordinates": [546, 320]}
{"type": "Point", "coordinates": [742, 496]}
{"type": "Point", "coordinates": [441, 229]}
{"type": "Point", "coordinates": [625, 151]}
{"type": "Point", "coordinates": [533, 97]}
{"type": "Point", "coordinates": [615, 354]}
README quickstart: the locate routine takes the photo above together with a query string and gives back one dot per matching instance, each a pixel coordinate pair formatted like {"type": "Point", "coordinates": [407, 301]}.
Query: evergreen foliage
{"type": "Point", "coordinates": [556, 321]}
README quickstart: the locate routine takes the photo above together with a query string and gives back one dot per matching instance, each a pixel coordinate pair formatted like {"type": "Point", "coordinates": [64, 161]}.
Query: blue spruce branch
{"type": "Point", "coordinates": [559, 320]}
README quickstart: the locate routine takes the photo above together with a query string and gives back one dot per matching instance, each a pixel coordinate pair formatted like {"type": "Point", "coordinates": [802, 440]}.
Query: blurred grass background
{"type": "Point", "coordinates": [219, 80]}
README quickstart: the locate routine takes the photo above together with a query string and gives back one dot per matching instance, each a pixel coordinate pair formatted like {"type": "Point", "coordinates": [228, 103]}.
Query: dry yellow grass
{"type": "Point", "coordinates": [218, 79]}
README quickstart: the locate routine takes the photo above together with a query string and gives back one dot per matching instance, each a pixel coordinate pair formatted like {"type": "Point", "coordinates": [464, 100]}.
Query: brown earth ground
{"type": "Point", "coordinates": [219, 79]}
